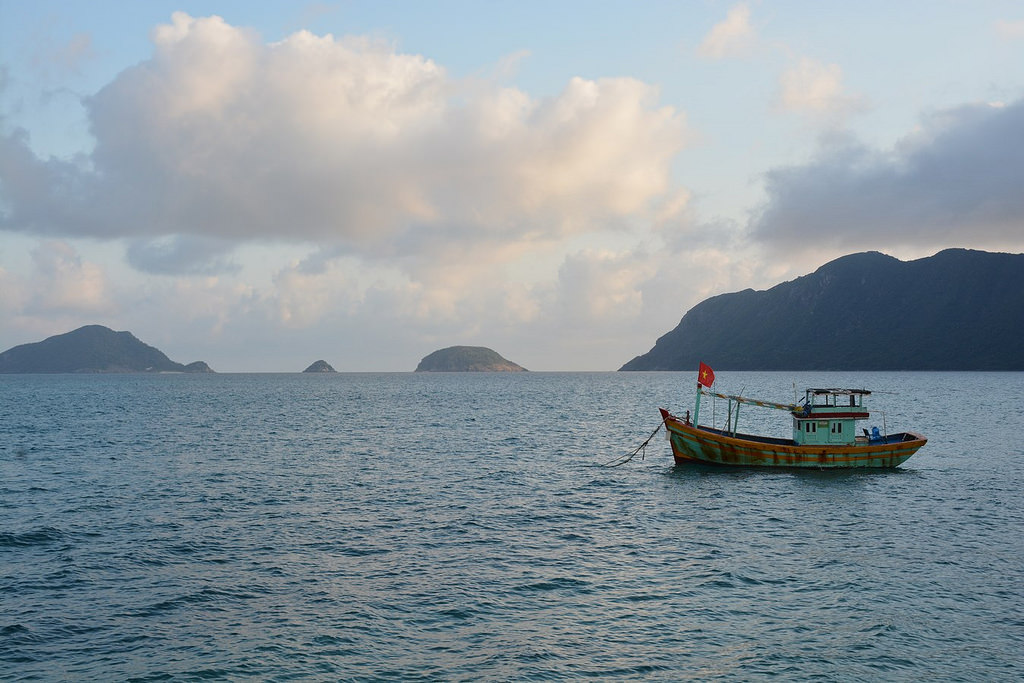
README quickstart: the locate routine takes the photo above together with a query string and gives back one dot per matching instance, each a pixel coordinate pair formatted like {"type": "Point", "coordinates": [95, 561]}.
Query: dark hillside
{"type": "Point", "coordinates": [957, 310]}
{"type": "Point", "coordinates": [92, 348]}
{"type": "Point", "coordinates": [467, 359]}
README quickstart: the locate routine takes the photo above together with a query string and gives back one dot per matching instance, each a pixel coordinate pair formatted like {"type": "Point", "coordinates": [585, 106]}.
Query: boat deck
{"type": "Point", "coordinates": [746, 437]}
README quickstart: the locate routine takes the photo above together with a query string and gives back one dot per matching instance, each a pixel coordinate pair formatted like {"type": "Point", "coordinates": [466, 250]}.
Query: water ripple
{"type": "Point", "coordinates": [411, 527]}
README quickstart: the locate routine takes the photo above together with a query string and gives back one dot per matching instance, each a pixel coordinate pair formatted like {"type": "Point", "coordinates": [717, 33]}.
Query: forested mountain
{"type": "Point", "coordinates": [92, 348]}
{"type": "Point", "coordinates": [957, 310]}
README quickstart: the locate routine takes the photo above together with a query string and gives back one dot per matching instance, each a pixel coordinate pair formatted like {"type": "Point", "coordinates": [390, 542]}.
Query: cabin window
{"type": "Point", "coordinates": [811, 427]}
{"type": "Point", "coordinates": [837, 427]}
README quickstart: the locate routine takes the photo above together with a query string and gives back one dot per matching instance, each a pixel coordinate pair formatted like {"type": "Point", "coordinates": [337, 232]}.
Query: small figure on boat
{"type": "Point", "coordinates": [824, 433]}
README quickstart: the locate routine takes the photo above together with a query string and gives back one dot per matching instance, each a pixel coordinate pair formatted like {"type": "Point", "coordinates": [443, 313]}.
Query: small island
{"type": "Point", "coordinates": [320, 366]}
{"type": "Point", "coordinates": [93, 348]}
{"type": "Point", "coordinates": [467, 359]}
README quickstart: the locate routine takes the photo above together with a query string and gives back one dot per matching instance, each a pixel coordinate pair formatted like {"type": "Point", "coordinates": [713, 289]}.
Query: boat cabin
{"type": "Point", "coordinates": [829, 416]}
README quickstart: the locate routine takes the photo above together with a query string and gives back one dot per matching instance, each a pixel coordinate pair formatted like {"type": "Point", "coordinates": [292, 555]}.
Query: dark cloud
{"type": "Point", "coordinates": [957, 180]}
{"type": "Point", "coordinates": [181, 255]}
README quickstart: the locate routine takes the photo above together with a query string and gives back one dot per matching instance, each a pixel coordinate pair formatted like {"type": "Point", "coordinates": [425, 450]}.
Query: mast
{"type": "Point", "coordinates": [705, 378]}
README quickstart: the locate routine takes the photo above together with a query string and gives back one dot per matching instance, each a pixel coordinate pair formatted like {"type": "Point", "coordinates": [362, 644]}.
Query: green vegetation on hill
{"type": "Point", "coordinates": [92, 348]}
{"type": "Point", "coordinates": [467, 359]}
{"type": "Point", "coordinates": [957, 310]}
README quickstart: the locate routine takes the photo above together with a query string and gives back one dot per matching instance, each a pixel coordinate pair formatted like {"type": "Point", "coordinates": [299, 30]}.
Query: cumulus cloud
{"type": "Point", "coordinates": [223, 137]}
{"type": "Point", "coordinates": [732, 37]}
{"type": "Point", "coordinates": [958, 175]}
{"type": "Point", "coordinates": [806, 87]}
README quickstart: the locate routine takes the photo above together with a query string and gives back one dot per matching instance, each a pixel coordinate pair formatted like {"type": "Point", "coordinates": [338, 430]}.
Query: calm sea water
{"type": "Point", "coordinates": [454, 527]}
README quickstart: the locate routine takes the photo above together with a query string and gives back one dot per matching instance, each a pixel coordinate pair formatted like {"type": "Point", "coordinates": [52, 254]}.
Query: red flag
{"type": "Point", "coordinates": [705, 375]}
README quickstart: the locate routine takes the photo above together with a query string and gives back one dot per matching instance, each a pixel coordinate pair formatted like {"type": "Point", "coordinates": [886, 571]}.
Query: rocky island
{"type": "Point", "coordinates": [467, 359]}
{"type": "Point", "coordinates": [320, 366]}
{"type": "Point", "coordinates": [93, 348]}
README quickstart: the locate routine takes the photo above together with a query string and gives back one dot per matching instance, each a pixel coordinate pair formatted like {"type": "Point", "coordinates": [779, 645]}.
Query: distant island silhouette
{"type": "Point", "coordinates": [467, 359]}
{"type": "Point", "coordinates": [957, 310]}
{"type": "Point", "coordinates": [93, 348]}
{"type": "Point", "coordinates": [320, 366]}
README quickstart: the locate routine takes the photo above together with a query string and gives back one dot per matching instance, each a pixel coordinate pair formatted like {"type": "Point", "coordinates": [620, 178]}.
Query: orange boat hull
{"type": "Point", "coordinates": [712, 446]}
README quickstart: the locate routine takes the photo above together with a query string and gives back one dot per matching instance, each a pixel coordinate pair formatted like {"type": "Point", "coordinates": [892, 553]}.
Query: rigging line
{"type": "Point", "coordinates": [622, 460]}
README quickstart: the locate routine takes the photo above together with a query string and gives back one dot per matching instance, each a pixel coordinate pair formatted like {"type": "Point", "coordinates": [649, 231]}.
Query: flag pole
{"type": "Point", "coordinates": [705, 378]}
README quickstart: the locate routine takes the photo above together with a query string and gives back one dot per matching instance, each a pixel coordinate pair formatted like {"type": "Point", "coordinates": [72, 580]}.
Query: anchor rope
{"type": "Point", "coordinates": [622, 460]}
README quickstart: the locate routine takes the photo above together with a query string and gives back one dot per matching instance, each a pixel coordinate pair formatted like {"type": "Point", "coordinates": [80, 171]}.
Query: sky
{"type": "Point", "coordinates": [261, 185]}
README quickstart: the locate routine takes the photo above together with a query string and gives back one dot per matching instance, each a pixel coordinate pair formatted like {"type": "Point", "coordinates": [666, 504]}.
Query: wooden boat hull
{"type": "Point", "coordinates": [713, 446]}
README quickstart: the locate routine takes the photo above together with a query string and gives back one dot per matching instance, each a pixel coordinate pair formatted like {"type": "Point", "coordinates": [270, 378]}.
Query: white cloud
{"type": "Point", "coordinates": [810, 87]}
{"type": "Point", "coordinates": [955, 181]}
{"type": "Point", "coordinates": [219, 139]}
{"type": "Point", "coordinates": [732, 37]}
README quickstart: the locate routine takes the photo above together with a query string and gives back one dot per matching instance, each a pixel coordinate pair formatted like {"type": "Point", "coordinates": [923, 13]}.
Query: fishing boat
{"type": "Point", "coordinates": [824, 433]}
